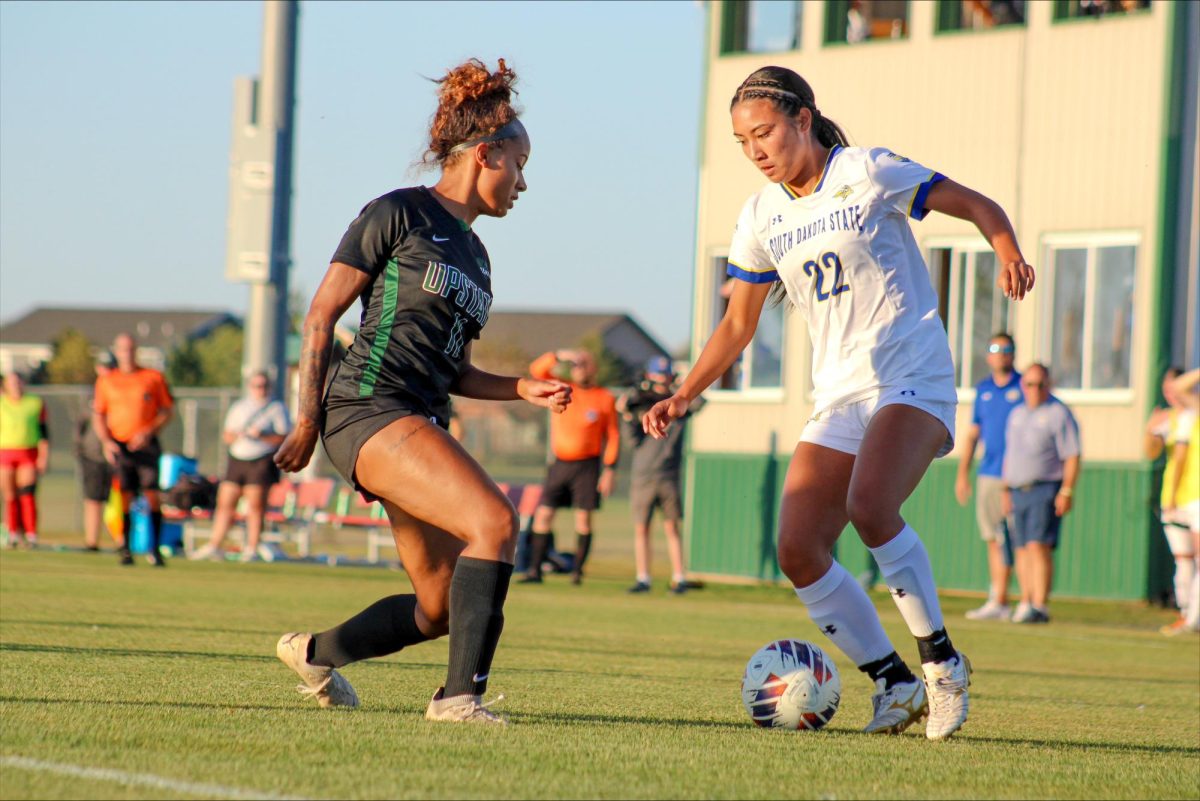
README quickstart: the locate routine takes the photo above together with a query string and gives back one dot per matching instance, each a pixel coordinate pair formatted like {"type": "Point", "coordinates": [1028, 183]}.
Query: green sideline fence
{"type": "Point", "coordinates": [1111, 546]}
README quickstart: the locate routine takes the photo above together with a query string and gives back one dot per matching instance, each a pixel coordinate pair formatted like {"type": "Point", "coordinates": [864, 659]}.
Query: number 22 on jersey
{"type": "Point", "coordinates": [827, 262]}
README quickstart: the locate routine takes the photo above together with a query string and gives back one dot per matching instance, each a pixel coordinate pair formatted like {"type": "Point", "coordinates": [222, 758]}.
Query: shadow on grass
{"type": "Point", "coordinates": [142, 626]}
{"type": "Point", "coordinates": [1071, 745]}
{"type": "Point", "coordinates": [1125, 678]}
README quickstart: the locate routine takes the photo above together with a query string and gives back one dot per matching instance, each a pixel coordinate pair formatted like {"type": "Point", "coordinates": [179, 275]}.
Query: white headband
{"type": "Point", "coordinates": [510, 130]}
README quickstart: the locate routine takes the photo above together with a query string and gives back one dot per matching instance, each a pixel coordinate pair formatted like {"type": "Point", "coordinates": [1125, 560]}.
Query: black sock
{"type": "Point", "coordinates": [891, 669]}
{"type": "Point", "coordinates": [477, 593]}
{"type": "Point", "coordinates": [538, 546]}
{"type": "Point", "coordinates": [936, 647]}
{"type": "Point", "coordinates": [126, 531]}
{"type": "Point", "coordinates": [155, 532]}
{"type": "Point", "coordinates": [583, 546]}
{"type": "Point", "coordinates": [382, 628]}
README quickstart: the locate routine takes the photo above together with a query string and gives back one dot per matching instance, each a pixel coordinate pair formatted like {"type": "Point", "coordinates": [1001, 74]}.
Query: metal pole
{"type": "Point", "coordinates": [274, 106]}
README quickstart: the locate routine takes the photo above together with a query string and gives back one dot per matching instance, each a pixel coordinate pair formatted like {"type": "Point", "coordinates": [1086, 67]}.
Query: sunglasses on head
{"type": "Point", "coordinates": [998, 348]}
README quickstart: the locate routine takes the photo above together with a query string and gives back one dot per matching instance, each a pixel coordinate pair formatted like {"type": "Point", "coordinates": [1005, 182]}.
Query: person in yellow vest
{"type": "Point", "coordinates": [1183, 500]}
{"type": "Point", "coordinates": [24, 455]}
{"type": "Point", "coordinates": [1165, 430]}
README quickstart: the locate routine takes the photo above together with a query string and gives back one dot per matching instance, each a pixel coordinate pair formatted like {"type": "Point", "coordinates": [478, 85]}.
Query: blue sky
{"type": "Point", "coordinates": [115, 132]}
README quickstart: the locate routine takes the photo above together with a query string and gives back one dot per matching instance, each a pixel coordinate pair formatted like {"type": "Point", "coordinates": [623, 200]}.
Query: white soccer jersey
{"type": "Point", "coordinates": [850, 264]}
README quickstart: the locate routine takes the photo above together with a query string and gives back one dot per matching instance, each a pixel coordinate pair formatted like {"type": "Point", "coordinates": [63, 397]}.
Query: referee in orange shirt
{"type": "Point", "coordinates": [131, 406]}
{"type": "Point", "coordinates": [586, 442]}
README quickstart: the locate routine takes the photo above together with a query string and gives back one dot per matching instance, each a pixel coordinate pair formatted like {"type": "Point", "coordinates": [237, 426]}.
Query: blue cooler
{"type": "Point", "coordinates": [139, 537]}
{"type": "Point", "coordinates": [171, 466]}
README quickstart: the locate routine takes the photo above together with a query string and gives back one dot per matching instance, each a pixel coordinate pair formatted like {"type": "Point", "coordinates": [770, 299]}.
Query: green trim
{"type": "Point", "coordinates": [391, 290]}
{"type": "Point", "coordinates": [949, 16]}
{"type": "Point", "coordinates": [836, 22]}
{"type": "Point", "coordinates": [733, 28]}
{"type": "Point", "coordinates": [1162, 305]}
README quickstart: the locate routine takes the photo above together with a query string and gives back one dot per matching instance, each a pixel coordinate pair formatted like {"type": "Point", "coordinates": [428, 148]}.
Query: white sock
{"type": "Point", "coordinates": [844, 613]}
{"type": "Point", "coordinates": [1185, 572]}
{"type": "Point", "coordinates": [1192, 615]}
{"type": "Point", "coordinates": [678, 578]}
{"type": "Point", "coordinates": [904, 564]}
{"type": "Point", "coordinates": [643, 578]}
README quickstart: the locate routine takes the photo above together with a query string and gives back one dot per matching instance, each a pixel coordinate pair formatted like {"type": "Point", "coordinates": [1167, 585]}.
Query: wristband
{"type": "Point", "coordinates": [1066, 492]}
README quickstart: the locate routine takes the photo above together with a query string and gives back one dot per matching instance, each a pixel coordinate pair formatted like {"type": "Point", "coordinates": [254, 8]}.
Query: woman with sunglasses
{"type": "Point", "coordinates": [254, 428]}
{"type": "Point", "coordinates": [829, 231]}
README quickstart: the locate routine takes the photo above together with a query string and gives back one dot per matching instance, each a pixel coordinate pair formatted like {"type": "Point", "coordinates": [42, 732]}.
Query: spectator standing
{"type": "Point", "coordinates": [995, 397]}
{"type": "Point", "coordinates": [1182, 497]}
{"type": "Point", "coordinates": [255, 427]}
{"type": "Point", "coordinates": [132, 405]}
{"type": "Point", "coordinates": [1041, 467]}
{"type": "Point", "coordinates": [95, 473]}
{"type": "Point", "coordinates": [1165, 430]}
{"type": "Point", "coordinates": [585, 440]}
{"type": "Point", "coordinates": [24, 456]}
{"type": "Point", "coordinates": [655, 476]}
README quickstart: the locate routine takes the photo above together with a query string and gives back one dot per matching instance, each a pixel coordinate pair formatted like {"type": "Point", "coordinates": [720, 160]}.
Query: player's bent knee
{"type": "Point", "coordinates": [498, 526]}
{"type": "Point", "coordinates": [802, 565]}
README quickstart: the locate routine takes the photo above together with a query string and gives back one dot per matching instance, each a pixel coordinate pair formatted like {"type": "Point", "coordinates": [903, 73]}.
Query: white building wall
{"type": "Point", "coordinates": [1058, 122]}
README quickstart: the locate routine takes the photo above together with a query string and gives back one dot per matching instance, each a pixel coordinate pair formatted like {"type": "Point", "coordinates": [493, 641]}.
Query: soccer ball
{"type": "Point", "coordinates": [790, 684]}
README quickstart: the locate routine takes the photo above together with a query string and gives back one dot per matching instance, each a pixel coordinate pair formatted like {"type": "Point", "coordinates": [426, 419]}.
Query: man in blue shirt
{"type": "Point", "coordinates": [995, 397]}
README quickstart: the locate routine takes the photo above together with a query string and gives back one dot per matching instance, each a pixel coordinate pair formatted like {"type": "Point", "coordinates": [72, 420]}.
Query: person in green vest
{"type": "Point", "coordinates": [24, 455]}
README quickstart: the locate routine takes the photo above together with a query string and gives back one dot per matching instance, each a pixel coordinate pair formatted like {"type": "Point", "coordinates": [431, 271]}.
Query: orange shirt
{"type": "Point", "coordinates": [588, 427]}
{"type": "Point", "coordinates": [131, 401]}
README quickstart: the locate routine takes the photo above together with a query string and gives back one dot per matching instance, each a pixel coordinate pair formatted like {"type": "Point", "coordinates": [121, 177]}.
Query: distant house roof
{"type": "Point", "coordinates": [153, 328]}
{"type": "Point", "coordinates": [537, 332]}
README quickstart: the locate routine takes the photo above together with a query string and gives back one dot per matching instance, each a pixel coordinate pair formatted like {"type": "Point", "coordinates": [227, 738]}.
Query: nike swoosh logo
{"type": "Point", "coordinates": [437, 238]}
{"type": "Point", "coordinates": [477, 678]}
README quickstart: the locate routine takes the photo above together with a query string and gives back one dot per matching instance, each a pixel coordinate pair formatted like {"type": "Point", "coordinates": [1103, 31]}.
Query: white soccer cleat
{"type": "Point", "coordinates": [325, 684]}
{"type": "Point", "coordinates": [947, 684]}
{"type": "Point", "coordinates": [896, 707]}
{"type": "Point", "coordinates": [990, 611]}
{"type": "Point", "coordinates": [462, 709]}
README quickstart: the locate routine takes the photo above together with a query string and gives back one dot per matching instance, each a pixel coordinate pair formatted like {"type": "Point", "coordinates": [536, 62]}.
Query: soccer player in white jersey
{"type": "Point", "coordinates": [831, 231]}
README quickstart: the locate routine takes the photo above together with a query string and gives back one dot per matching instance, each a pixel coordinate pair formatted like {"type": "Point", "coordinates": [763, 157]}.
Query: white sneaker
{"type": "Point", "coordinates": [1022, 613]}
{"type": "Point", "coordinates": [947, 684]}
{"type": "Point", "coordinates": [206, 551]}
{"type": "Point", "coordinates": [325, 684]}
{"type": "Point", "coordinates": [462, 709]}
{"type": "Point", "coordinates": [896, 707]}
{"type": "Point", "coordinates": [249, 555]}
{"type": "Point", "coordinates": [990, 611]}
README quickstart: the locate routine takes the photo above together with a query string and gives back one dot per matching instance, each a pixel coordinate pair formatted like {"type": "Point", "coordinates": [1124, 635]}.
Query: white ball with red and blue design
{"type": "Point", "coordinates": [791, 684]}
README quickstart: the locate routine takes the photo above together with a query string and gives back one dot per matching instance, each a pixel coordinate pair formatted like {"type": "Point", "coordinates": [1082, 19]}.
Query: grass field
{"type": "Point", "coordinates": [168, 680]}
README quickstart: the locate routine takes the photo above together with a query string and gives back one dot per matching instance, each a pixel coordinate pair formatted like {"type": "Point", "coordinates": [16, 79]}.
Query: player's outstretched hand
{"type": "Point", "coordinates": [1016, 279]}
{"type": "Point", "coordinates": [656, 421]}
{"type": "Point", "coordinates": [297, 447]}
{"type": "Point", "coordinates": [554, 395]}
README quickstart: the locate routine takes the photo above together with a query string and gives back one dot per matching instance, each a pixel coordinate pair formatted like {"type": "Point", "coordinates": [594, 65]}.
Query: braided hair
{"type": "Point", "coordinates": [789, 93]}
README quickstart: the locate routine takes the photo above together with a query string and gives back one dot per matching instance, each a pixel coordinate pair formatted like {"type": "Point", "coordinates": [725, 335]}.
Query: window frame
{"type": "Point", "coordinates": [744, 394]}
{"type": "Point", "coordinates": [1089, 241]}
{"type": "Point", "coordinates": [944, 12]}
{"type": "Point", "coordinates": [735, 29]}
{"type": "Point", "coordinates": [837, 25]}
{"type": "Point", "coordinates": [961, 245]}
{"type": "Point", "coordinates": [1060, 13]}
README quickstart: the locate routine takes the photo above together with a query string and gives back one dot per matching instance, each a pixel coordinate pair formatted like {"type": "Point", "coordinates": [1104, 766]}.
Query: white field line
{"type": "Point", "coordinates": [143, 779]}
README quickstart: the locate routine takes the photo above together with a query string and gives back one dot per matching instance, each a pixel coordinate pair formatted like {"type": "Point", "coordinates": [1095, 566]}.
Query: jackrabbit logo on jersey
{"type": "Point", "coordinates": [442, 279]}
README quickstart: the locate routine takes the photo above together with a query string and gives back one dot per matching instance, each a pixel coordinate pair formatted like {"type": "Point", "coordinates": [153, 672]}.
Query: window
{"type": "Point", "coordinates": [1074, 9]}
{"type": "Point", "coordinates": [972, 307]}
{"type": "Point", "coordinates": [967, 15]}
{"type": "Point", "coordinates": [1087, 312]}
{"type": "Point", "coordinates": [859, 20]}
{"type": "Point", "coordinates": [761, 364]}
{"type": "Point", "coordinates": [760, 26]}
